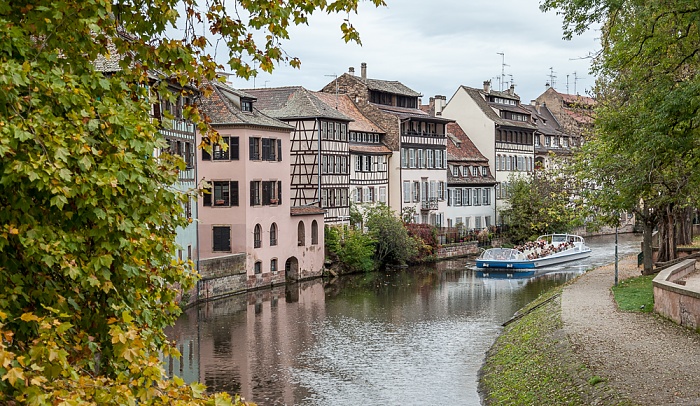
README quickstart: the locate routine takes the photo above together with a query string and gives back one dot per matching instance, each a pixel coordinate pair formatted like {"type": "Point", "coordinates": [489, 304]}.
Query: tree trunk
{"type": "Point", "coordinates": [667, 235]}
{"type": "Point", "coordinates": [684, 226]}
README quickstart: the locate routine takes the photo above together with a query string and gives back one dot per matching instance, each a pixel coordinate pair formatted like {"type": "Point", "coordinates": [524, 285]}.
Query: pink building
{"type": "Point", "coordinates": [247, 209]}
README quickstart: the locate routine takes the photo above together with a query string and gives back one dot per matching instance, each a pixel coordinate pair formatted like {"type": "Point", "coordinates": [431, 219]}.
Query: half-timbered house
{"type": "Point", "coordinates": [319, 149]}
{"type": "Point", "coordinates": [369, 157]}
{"type": "Point", "coordinates": [417, 140]}
{"type": "Point", "coordinates": [246, 208]}
{"type": "Point", "coordinates": [500, 128]}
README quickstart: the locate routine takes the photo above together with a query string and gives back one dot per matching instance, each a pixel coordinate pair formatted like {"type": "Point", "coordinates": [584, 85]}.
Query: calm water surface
{"type": "Point", "coordinates": [415, 336]}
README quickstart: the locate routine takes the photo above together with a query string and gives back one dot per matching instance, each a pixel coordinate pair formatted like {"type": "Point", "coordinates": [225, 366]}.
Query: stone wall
{"type": "Point", "coordinates": [674, 300]}
{"type": "Point", "coordinates": [221, 276]}
{"type": "Point", "coordinates": [461, 250]}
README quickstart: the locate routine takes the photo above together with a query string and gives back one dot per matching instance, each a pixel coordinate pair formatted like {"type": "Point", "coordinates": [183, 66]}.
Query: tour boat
{"type": "Point", "coordinates": [549, 249]}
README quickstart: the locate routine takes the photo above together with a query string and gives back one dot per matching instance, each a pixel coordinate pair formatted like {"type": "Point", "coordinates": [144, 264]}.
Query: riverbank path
{"type": "Point", "coordinates": [651, 360]}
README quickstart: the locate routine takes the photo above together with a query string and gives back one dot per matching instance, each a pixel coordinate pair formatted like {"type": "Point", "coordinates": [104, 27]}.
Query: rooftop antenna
{"type": "Point", "coordinates": [512, 82]}
{"type": "Point", "coordinates": [567, 84]}
{"type": "Point", "coordinates": [552, 77]}
{"type": "Point", "coordinates": [336, 88]}
{"type": "Point", "coordinates": [576, 79]}
{"type": "Point", "coordinates": [266, 84]}
{"type": "Point", "coordinates": [503, 72]}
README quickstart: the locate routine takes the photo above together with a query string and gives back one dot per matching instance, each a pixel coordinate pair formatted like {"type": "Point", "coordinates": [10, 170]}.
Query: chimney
{"type": "Point", "coordinates": [363, 70]}
{"type": "Point", "coordinates": [536, 104]}
{"type": "Point", "coordinates": [487, 86]}
{"type": "Point", "coordinates": [440, 102]}
{"type": "Point", "coordinates": [511, 90]}
{"type": "Point", "coordinates": [351, 71]}
{"type": "Point", "coordinates": [431, 106]}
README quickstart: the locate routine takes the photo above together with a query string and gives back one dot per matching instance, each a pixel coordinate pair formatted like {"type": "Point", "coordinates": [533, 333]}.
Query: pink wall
{"type": "Point", "coordinates": [243, 218]}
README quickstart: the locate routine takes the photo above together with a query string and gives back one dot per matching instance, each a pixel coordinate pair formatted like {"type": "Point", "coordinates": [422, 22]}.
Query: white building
{"type": "Point", "coordinates": [500, 128]}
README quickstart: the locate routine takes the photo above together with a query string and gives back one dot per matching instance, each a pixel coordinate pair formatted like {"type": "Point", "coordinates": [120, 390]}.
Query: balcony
{"type": "Point", "coordinates": [430, 204]}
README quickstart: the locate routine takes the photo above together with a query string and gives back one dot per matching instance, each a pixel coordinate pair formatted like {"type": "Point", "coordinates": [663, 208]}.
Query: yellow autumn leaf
{"type": "Point", "coordinates": [14, 230]}
{"type": "Point", "coordinates": [13, 375]}
{"type": "Point", "coordinates": [29, 316]}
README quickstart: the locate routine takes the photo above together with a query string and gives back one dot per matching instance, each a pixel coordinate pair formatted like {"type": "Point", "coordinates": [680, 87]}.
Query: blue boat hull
{"type": "Point", "coordinates": [506, 264]}
{"type": "Point", "coordinates": [534, 263]}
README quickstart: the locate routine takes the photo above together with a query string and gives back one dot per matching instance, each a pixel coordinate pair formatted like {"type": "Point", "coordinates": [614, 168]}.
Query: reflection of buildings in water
{"type": "Point", "coordinates": [245, 342]}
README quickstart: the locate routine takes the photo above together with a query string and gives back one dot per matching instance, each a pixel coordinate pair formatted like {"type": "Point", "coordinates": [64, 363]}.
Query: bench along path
{"type": "Point", "coordinates": [650, 359]}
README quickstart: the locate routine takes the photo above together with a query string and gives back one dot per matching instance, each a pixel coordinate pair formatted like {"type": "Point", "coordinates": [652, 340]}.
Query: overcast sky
{"type": "Point", "coordinates": [434, 46]}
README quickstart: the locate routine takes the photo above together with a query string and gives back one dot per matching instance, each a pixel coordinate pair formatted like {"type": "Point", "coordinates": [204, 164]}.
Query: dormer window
{"type": "Point", "coordinates": [247, 105]}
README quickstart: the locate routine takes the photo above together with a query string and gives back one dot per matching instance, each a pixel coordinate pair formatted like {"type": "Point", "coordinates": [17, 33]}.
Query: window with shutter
{"type": "Point", "coordinates": [233, 146]}
{"type": "Point", "coordinates": [221, 238]}
{"type": "Point", "coordinates": [266, 193]}
{"type": "Point", "coordinates": [279, 150]}
{"type": "Point", "coordinates": [233, 188]}
{"type": "Point", "coordinates": [254, 148]}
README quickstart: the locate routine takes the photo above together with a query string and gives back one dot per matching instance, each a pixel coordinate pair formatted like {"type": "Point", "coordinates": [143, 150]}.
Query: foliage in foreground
{"type": "Point", "coordinates": [645, 154]}
{"type": "Point", "coordinates": [635, 294]}
{"type": "Point", "coordinates": [88, 215]}
{"type": "Point", "coordinates": [531, 363]}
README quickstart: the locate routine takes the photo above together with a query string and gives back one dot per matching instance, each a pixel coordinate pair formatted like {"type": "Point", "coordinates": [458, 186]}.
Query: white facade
{"type": "Point", "coordinates": [500, 129]}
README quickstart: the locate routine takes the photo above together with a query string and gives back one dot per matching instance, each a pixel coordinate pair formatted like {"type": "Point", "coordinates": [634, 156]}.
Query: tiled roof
{"type": "Point", "coordinates": [305, 210]}
{"type": "Point", "coordinates": [391, 86]}
{"type": "Point", "coordinates": [478, 96]}
{"type": "Point", "coordinates": [460, 147]}
{"type": "Point", "coordinates": [222, 110]}
{"type": "Point", "coordinates": [583, 101]}
{"type": "Point", "coordinates": [546, 123]}
{"type": "Point", "coordinates": [377, 149]}
{"type": "Point", "coordinates": [294, 102]}
{"type": "Point", "coordinates": [347, 107]}
{"type": "Point", "coordinates": [388, 86]}
{"type": "Point", "coordinates": [108, 63]}
{"type": "Point", "coordinates": [580, 117]}
{"type": "Point", "coordinates": [470, 180]}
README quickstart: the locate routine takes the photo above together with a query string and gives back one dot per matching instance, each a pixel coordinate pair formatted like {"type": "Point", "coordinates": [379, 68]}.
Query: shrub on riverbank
{"type": "Point", "coordinates": [351, 249]}
{"type": "Point", "coordinates": [533, 363]}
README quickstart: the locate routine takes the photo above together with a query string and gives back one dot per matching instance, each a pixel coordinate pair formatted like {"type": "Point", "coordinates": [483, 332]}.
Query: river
{"type": "Point", "coordinates": [407, 337]}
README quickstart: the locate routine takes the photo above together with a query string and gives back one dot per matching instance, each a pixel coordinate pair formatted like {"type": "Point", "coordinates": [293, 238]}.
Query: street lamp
{"type": "Point", "coordinates": [617, 221]}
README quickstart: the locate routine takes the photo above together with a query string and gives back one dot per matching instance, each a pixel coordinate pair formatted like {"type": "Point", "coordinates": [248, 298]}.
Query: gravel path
{"type": "Point", "coordinates": [651, 360]}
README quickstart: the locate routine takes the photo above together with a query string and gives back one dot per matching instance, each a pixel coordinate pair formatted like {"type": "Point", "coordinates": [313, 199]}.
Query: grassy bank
{"type": "Point", "coordinates": [533, 363]}
{"type": "Point", "coordinates": [635, 294]}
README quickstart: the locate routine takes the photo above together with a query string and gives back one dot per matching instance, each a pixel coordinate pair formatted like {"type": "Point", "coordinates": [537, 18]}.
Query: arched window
{"type": "Point", "coordinates": [273, 234]}
{"type": "Point", "coordinates": [301, 234]}
{"type": "Point", "coordinates": [314, 233]}
{"type": "Point", "coordinates": [257, 236]}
